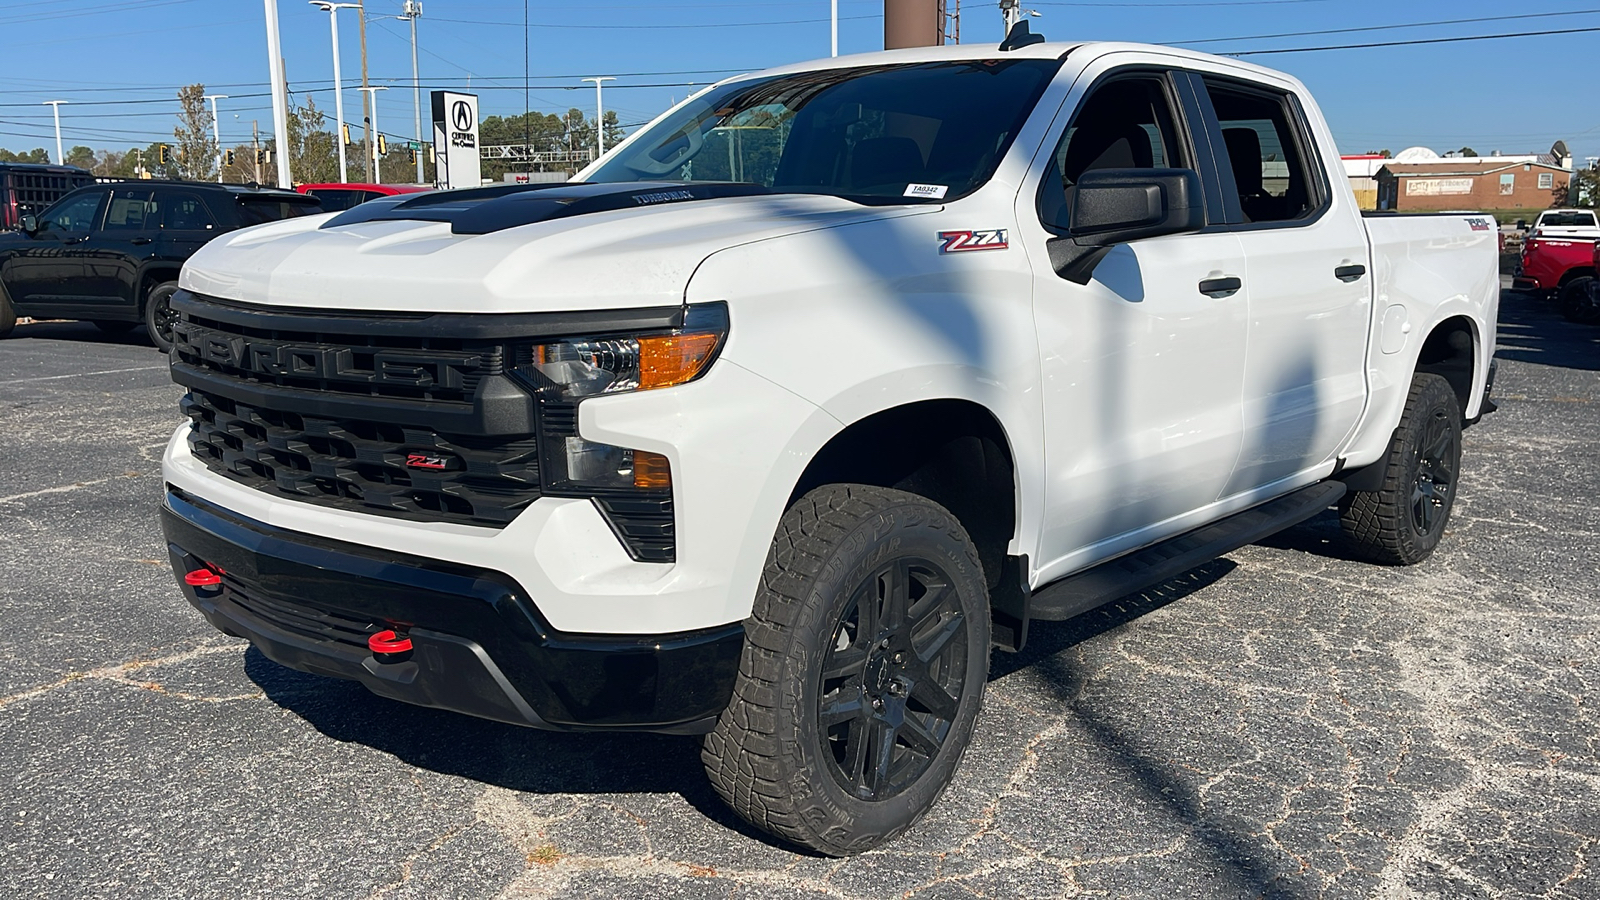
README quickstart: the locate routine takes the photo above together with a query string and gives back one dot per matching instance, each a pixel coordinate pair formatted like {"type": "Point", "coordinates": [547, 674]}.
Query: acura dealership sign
{"type": "Point", "coordinates": [455, 139]}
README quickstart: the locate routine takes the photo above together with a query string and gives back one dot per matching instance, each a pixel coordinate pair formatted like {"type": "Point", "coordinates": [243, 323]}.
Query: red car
{"type": "Point", "coordinates": [336, 197]}
{"type": "Point", "coordinates": [1580, 299]}
{"type": "Point", "coordinates": [1555, 264]}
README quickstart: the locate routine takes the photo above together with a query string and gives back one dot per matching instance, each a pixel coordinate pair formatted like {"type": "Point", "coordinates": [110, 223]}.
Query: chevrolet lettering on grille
{"type": "Point", "coordinates": [282, 359]}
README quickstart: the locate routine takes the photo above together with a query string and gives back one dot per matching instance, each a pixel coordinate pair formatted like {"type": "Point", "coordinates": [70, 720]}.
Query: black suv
{"type": "Point", "coordinates": [110, 253]}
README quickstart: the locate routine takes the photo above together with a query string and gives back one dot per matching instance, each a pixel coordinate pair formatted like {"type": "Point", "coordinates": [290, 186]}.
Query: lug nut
{"type": "Point", "coordinates": [877, 703]}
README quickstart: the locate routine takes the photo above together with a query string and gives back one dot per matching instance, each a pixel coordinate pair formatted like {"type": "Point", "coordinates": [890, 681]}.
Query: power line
{"type": "Point", "coordinates": [1286, 34]}
{"type": "Point", "coordinates": [1416, 42]}
{"type": "Point", "coordinates": [612, 27]}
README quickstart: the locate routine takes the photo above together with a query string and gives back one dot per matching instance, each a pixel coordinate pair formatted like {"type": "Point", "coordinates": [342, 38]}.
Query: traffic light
{"type": "Point", "coordinates": [347, 133]}
{"type": "Point", "coordinates": [383, 146]}
{"type": "Point", "coordinates": [263, 157]}
{"type": "Point", "coordinates": [164, 155]}
{"type": "Point", "coordinates": [227, 157]}
{"type": "Point", "coordinates": [411, 156]}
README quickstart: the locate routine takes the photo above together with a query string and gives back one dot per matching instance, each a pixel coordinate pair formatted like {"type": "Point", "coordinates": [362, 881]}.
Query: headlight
{"type": "Point", "coordinates": [578, 367]}
{"type": "Point", "coordinates": [566, 371]}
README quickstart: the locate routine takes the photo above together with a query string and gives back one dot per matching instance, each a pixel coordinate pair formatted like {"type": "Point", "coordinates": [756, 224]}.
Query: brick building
{"type": "Point", "coordinates": [1475, 183]}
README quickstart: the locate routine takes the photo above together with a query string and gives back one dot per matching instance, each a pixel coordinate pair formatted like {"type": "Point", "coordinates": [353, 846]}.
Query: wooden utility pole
{"type": "Point", "coordinates": [255, 140]}
{"type": "Point", "coordinates": [912, 23]}
{"type": "Point", "coordinates": [366, 95]}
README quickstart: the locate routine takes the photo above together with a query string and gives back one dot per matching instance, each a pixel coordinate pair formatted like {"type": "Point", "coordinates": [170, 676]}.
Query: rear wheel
{"type": "Point", "coordinates": [863, 671]}
{"type": "Point", "coordinates": [158, 315]}
{"type": "Point", "coordinates": [1401, 523]}
{"type": "Point", "coordinates": [114, 327]}
{"type": "Point", "coordinates": [1580, 300]}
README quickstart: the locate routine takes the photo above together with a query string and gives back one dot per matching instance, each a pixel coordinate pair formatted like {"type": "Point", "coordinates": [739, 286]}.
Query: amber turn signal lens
{"type": "Point", "coordinates": [670, 359]}
{"type": "Point", "coordinates": [651, 470]}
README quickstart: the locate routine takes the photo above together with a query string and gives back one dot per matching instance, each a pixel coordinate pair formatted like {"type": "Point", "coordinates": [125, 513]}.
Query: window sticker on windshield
{"type": "Point", "coordinates": [926, 191]}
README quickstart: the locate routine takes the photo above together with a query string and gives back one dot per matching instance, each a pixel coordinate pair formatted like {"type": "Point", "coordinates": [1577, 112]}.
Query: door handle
{"type": "Point", "coordinates": [1348, 274]}
{"type": "Point", "coordinates": [1218, 288]}
{"type": "Point", "coordinates": [76, 240]}
{"type": "Point", "coordinates": [139, 240]}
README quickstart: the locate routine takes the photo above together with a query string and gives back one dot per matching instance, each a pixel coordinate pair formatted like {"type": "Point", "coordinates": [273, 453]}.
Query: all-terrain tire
{"type": "Point", "coordinates": [8, 315]}
{"type": "Point", "coordinates": [158, 315]}
{"type": "Point", "coordinates": [1401, 522]}
{"type": "Point", "coordinates": [1580, 300]}
{"type": "Point", "coordinates": [810, 651]}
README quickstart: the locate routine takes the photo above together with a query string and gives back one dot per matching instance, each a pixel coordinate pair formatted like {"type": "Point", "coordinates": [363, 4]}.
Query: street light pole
{"type": "Point", "coordinates": [280, 94]}
{"type": "Point", "coordinates": [377, 164]}
{"type": "Point", "coordinates": [600, 115]}
{"type": "Point", "coordinates": [332, 10]}
{"type": "Point", "coordinates": [216, 129]}
{"type": "Point", "coordinates": [835, 27]}
{"type": "Point", "coordinates": [55, 107]}
{"type": "Point", "coordinates": [412, 12]}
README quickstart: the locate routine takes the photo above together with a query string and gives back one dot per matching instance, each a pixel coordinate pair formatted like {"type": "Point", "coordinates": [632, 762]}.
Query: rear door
{"type": "Point", "coordinates": [1309, 289]}
{"type": "Point", "coordinates": [47, 270]}
{"type": "Point", "coordinates": [186, 223]}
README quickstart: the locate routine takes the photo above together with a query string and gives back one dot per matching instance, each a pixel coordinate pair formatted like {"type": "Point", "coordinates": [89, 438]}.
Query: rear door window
{"type": "Point", "coordinates": [1264, 153]}
{"type": "Point", "coordinates": [260, 210]}
{"type": "Point", "coordinates": [130, 209]}
{"type": "Point", "coordinates": [183, 211]}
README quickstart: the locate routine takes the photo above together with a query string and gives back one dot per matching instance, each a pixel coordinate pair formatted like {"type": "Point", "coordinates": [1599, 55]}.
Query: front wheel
{"type": "Point", "coordinates": [863, 671]}
{"type": "Point", "coordinates": [158, 315]}
{"type": "Point", "coordinates": [1401, 522]}
{"type": "Point", "coordinates": [8, 315]}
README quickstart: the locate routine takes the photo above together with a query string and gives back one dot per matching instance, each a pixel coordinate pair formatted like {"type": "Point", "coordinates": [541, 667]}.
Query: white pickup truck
{"type": "Point", "coordinates": [771, 424]}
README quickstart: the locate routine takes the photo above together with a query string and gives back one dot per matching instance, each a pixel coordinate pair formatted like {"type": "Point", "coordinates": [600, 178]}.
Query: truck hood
{"type": "Point", "coordinates": [581, 258]}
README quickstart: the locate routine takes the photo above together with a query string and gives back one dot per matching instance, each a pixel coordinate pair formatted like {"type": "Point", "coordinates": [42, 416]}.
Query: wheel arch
{"type": "Point", "coordinates": [956, 453]}
{"type": "Point", "coordinates": [1575, 273]}
{"type": "Point", "coordinates": [150, 277]}
{"type": "Point", "coordinates": [1451, 351]}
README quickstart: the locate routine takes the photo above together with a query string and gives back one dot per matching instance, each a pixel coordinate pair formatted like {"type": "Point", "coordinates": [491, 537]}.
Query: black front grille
{"type": "Point", "coordinates": [364, 466]}
{"type": "Point", "coordinates": [318, 625]}
{"type": "Point", "coordinates": [434, 369]}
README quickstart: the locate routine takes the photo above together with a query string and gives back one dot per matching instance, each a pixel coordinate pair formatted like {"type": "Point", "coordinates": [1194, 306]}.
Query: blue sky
{"type": "Point", "coordinates": [1515, 95]}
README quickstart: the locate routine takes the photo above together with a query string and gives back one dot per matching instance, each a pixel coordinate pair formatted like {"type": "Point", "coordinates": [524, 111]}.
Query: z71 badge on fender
{"type": "Point", "coordinates": [962, 241]}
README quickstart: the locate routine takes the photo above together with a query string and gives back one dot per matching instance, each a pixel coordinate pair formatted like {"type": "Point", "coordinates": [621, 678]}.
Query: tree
{"type": "Point", "coordinates": [196, 149]}
{"type": "Point", "coordinates": [1582, 190]}
{"type": "Point", "coordinates": [314, 157]}
{"type": "Point", "coordinates": [82, 157]}
{"type": "Point", "coordinates": [36, 155]}
{"type": "Point", "coordinates": [1466, 151]}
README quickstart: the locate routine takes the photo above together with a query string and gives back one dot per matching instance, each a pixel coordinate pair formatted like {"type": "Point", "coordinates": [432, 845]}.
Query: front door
{"type": "Point", "coordinates": [47, 270]}
{"type": "Point", "coordinates": [1142, 367]}
{"type": "Point", "coordinates": [117, 251]}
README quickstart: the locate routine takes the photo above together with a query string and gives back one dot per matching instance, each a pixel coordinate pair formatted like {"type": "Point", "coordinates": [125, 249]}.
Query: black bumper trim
{"type": "Point", "coordinates": [481, 646]}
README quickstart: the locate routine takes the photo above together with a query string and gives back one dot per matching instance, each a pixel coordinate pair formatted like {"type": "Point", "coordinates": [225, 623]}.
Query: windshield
{"type": "Point", "coordinates": [923, 131]}
{"type": "Point", "coordinates": [1567, 219]}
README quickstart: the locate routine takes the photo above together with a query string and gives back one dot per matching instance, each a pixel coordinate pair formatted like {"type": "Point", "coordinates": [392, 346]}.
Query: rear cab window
{"type": "Point", "coordinates": [338, 200]}
{"type": "Point", "coordinates": [259, 210]}
{"type": "Point", "coordinates": [1266, 155]}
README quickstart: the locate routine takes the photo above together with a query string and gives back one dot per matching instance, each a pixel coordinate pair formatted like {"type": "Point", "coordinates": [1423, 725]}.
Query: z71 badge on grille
{"type": "Point", "coordinates": [962, 241]}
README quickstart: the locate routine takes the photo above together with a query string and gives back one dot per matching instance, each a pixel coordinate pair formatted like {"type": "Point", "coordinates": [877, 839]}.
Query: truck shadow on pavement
{"type": "Point", "coordinates": [1532, 330]}
{"type": "Point", "coordinates": [545, 762]}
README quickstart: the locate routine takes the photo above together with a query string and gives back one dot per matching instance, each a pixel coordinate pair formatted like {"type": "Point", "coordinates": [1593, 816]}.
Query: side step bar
{"type": "Point", "coordinates": [1079, 593]}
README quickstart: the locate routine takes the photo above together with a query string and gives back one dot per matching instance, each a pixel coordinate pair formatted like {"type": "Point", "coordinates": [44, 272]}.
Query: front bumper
{"type": "Point", "coordinates": [481, 646]}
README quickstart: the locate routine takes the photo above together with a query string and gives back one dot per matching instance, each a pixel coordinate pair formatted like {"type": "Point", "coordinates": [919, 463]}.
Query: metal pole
{"type": "Point", "coordinates": [413, 11]}
{"type": "Point", "coordinates": [332, 9]}
{"type": "Point", "coordinates": [55, 107]}
{"type": "Point", "coordinates": [600, 115]}
{"type": "Point", "coordinates": [216, 130]}
{"type": "Point", "coordinates": [366, 97]}
{"type": "Point", "coordinates": [280, 94]}
{"type": "Point", "coordinates": [835, 27]}
{"type": "Point", "coordinates": [377, 167]}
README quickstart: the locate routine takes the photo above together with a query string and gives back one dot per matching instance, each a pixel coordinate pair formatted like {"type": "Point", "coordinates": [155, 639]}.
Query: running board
{"type": "Point", "coordinates": [1111, 580]}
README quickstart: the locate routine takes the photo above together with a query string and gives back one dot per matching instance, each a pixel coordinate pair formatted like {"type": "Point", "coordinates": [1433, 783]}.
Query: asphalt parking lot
{"type": "Point", "coordinates": [1283, 722]}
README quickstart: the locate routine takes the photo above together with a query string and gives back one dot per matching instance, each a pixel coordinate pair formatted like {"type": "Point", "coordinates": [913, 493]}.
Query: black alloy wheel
{"type": "Point", "coordinates": [1437, 457]}
{"type": "Point", "coordinates": [893, 678]}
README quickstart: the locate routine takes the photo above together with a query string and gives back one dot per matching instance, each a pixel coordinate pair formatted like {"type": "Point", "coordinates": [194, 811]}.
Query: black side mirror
{"type": "Point", "coordinates": [1116, 206]}
{"type": "Point", "coordinates": [30, 224]}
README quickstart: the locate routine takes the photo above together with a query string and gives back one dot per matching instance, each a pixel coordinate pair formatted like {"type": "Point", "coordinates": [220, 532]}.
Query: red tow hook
{"type": "Point", "coordinates": [388, 647]}
{"type": "Point", "coordinates": [202, 578]}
